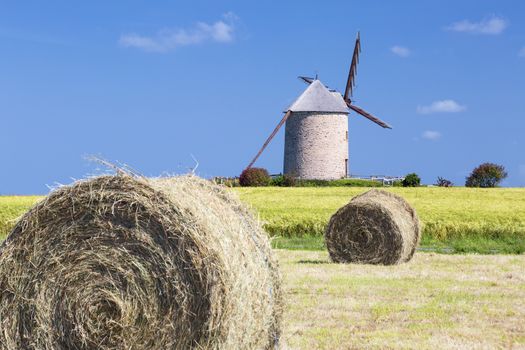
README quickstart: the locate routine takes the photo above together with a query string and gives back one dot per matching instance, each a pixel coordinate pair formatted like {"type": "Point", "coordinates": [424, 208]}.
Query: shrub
{"type": "Point", "coordinates": [288, 180]}
{"type": "Point", "coordinates": [338, 183]}
{"type": "Point", "coordinates": [411, 180]}
{"type": "Point", "coordinates": [313, 183]}
{"type": "Point", "coordinates": [486, 175]}
{"type": "Point", "coordinates": [253, 177]}
{"type": "Point", "coordinates": [442, 182]}
{"type": "Point", "coordinates": [356, 183]}
{"type": "Point", "coordinates": [285, 180]}
{"type": "Point", "coordinates": [277, 181]}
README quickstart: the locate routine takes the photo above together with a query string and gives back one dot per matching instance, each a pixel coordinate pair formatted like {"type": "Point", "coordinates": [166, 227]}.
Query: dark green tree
{"type": "Point", "coordinates": [411, 180]}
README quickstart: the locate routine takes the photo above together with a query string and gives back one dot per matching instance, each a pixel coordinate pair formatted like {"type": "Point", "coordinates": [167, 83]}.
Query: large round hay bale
{"type": "Point", "coordinates": [376, 227]}
{"type": "Point", "coordinates": [117, 262]}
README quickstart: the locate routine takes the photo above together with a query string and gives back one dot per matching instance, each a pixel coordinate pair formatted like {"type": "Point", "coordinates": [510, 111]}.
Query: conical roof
{"type": "Point", "coordinates": [317, 98]}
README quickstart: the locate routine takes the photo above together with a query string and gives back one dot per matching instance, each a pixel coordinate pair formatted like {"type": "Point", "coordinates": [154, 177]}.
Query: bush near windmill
{"type": "Point", "coordinates": [253, 177]}
{"type": "Point", "coordinates": [287, 180]}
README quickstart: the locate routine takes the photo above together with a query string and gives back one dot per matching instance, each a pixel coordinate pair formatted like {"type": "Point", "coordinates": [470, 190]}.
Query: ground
{"type": "Point", "coordinates": [435, 301]}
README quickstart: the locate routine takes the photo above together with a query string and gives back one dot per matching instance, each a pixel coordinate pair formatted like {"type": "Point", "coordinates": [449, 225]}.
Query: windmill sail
{"type": "Point", "coordinates": [368, 116]}
{"type": "Point", "coordinates": [272, 135]}
{"type": "Point", "coordinates": [350, 83]}
{"type": "Point", "coordinates": [307, 80]}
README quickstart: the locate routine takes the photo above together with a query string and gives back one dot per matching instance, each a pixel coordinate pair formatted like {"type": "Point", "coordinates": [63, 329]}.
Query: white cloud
{"type": "Point", "coordinates": [522, 52]}
{"type": "Point", "coordinates": [221, 31]}
{"type": "Point", "coordinates": [400, 51]}
{"type": "Point", "coordinates": [443, 106]}
{"type": "Point", "coordinates": [431, 135]}
{"type": "Point", "coordinates": [491, 26]}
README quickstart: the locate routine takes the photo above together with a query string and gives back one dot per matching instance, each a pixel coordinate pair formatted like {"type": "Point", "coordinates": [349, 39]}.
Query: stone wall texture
{"type": "Point", "coordinates": [316, 145]}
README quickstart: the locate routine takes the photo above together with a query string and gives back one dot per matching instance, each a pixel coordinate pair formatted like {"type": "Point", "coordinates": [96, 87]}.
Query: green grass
{"type": "Point", "coordinates": [11, 207]}
{"type": "Point", "coordinates": [480, 245]}
{"type": "Point", "coordinates": [454, 219]}
{"type": "Point", "coordinates": [338, 183]}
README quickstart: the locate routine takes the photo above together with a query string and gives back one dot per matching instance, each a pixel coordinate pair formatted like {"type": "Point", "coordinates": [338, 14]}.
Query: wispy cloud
{"type": "Point", "coordinates": [491, 26]}
{"type": "Point", "coordinates": [443, 106]}
{"type": "Point", "coordinates": [431, 135]}
{"type": "Point", "coordinates": [400, 51]}
{"type": "Point", "coordinates": [522, 52]}
{"type": "Point", "coordinates": [221, 31]}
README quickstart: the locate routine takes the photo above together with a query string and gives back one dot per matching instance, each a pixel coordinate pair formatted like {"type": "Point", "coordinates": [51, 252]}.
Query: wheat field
{"type": "Point", "coordinates": [470, 219]}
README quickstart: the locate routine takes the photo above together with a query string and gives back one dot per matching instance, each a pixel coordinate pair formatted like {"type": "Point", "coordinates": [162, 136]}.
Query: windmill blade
{"type": "Point", "coordinates": [368, 116]}
{"type": "Point", "coordinates": [307, 80]}
{"type": "Point", "coordinates": [269, 139]}
{"type": "Point", "coordinates": [350, 83]}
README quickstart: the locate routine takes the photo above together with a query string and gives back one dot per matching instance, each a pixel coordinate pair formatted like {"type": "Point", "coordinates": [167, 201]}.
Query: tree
{"type": "Point", "coordinates": [442, 182]}
{"type": "Point", "coordinates": [486, 175]}
{"type": "Point", "coordinates": [411, 180]}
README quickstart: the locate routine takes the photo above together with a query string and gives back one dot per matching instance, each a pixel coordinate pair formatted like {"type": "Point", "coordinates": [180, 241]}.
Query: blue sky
{"type": "Point", "coordinates": [151, 83]}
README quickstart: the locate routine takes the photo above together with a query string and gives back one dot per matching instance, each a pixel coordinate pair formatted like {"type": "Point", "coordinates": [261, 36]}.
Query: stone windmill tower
{"type": "Point", "coordinates": [316, 137]}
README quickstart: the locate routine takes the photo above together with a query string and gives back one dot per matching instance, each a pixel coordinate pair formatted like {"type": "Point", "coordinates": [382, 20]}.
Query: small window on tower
{"type": "Point", "coordinates": [346, 137]}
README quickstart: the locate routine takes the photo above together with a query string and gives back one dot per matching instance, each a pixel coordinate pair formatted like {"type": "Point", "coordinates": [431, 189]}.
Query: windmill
{"type": "Point", "coordinates": [316, 135]}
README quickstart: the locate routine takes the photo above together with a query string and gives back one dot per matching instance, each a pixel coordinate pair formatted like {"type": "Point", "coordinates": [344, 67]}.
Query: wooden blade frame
{"type": "Point", "coordinates": [287, 114]}
{"type": "Point", "coordinates": [307, 80]}
{"type": "Point", "coordinates": [350, 83]}
{"type": "Point", "coordinates": [368, 115]}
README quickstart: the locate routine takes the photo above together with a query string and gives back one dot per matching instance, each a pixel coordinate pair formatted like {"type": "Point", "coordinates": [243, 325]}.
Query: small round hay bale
{"type": "Point", "coordinates": [376, 227]}
{"type": "Point", "coordinates": [117, 262]}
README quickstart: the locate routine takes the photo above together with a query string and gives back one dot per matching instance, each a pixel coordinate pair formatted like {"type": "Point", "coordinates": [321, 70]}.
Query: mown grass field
{"type": "Point", "coordinates": [454, 219]}
{"type": "Point", "coordinates": [436, 301]}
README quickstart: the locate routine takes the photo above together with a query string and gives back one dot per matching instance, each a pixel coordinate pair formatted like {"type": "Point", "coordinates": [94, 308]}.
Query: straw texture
{"type": "Point", "coordinates": [117, 262]}
{"type": "Point", "coordinates": [376, 227]}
